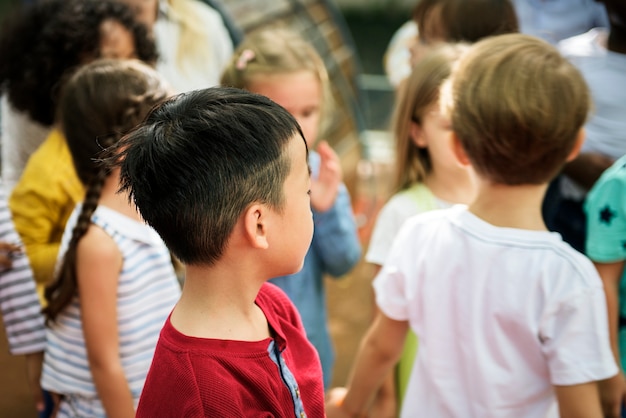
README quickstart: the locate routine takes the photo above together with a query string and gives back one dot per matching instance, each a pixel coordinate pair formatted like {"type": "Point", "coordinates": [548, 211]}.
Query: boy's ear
{"type": "Point", "coordinates": [580, 139]}
{"type": "Point", "coordinates": [459, 151]}
{"type": "Point", "coordinates": [415, 132]}
{"type": "Point", "coordinates": [255, 225]}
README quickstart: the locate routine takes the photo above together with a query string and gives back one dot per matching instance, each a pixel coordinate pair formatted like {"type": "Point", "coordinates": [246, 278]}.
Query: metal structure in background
{"type": "Point", "coordinates": [321, 23]}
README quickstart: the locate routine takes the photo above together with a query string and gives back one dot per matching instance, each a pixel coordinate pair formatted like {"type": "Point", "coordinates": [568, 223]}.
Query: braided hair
{"type": "Point", "coordinates": [41, 43]}
{"type": "Point", "coordinates": [99, 104]}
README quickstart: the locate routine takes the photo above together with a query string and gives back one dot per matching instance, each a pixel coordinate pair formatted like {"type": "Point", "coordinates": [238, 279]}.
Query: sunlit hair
{"type": "Point", "coordinates": [517, 106]}
{"type": "Point", "coordinates": [466, 20]}
{"type": "Point", "coordinates": [101, 102]}
{"type": "Point", "coordinates": [200, 159]}
{"type": "Point", "coordinates": [192, 45]}
{"type": "Point", "coordinates": [419, 93]}
{"type": "Point", "coordinates": [275, 51]}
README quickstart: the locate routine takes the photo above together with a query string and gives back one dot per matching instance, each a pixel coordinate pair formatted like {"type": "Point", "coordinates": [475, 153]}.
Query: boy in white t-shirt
{"type": "Point", "coordinates": [511, 320]}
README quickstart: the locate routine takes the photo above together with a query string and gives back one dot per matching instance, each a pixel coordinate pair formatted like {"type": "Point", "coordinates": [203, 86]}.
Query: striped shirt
{"type": "Point", "coordinates": [19, 303]}
{"type": "Point", "coordinates": [147, 291]}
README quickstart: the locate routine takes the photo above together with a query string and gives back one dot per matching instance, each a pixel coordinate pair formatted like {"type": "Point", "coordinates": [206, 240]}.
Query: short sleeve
{"type": "Point", "coordinates": [391, 284]}
{"type": "Point", "coordinates": [606, 220]}
{"type": "Point", "coordinates": [575, 339]}
{"type": "Point", "coordinates": [385, 230]}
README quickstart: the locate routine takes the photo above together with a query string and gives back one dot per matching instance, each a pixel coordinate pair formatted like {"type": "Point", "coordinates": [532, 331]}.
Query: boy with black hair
{"type": "Point", "coordinates": [222, 175]}
{"type": "Point", "coordinates": [511, 320]}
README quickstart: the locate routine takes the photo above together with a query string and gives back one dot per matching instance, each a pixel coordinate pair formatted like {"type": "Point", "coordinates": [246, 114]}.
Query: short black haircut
{"type": "Point", "coordinates": [43, 42]}
{"type": "Point", "coordinates": [200, 159]}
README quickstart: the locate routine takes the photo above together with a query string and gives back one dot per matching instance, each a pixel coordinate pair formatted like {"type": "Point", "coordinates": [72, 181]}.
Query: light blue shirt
{"type": "Point", "coordinates": [554, 20]}
{"type": "Point", "coordinates": [334, 250]}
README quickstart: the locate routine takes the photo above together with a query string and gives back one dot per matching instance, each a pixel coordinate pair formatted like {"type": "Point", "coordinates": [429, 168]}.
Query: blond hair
{"type": "Point", "coordinates": [192, 45]}
{"type": "Point", "coordinates": [420, 91]}
{"type": "Point", "coordinates": [275, 51]}
{"type": "Point", "coordinates": [517, 106]}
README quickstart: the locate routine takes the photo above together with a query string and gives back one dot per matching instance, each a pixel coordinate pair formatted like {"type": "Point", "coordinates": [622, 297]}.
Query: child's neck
{"type": "Point", "coordinates": [220, 303]}
{"type": "Point", "coordinates": [510, 206]}
{"type": "Point", "coordinates": [111, 198]}
{"type": "Point", "coordinates": [452, 186]}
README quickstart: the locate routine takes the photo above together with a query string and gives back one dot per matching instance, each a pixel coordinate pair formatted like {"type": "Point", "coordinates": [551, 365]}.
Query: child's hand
{"type": "Point", "coordinates": [325, 187]}
{"type": "Point", "coordinates": [334, 399]}
{"type": "Point", "coordinates": [34, 362]}
{"type": "Point", "coordinates": [6, 251]}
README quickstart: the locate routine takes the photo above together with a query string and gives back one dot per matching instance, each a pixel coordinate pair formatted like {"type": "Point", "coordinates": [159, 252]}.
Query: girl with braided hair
{"type": "Point", "coordinates": [115, 283]}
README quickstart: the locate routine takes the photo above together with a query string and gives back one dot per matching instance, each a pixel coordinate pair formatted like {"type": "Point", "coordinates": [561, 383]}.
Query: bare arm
{"type": "Point", "coordinates": [325, 187]}
{"type": "Point", "coordinates": [385, 402]}
{"type": "Point", "coordinates": [579, 401]}
{"type": "Point", "coordinates": [34, 363]}
{"type": "Point", "coordinates": [98, 267]}
{"type": "Point", "coordinates": [613, 390]}
{"type": "Point", "coordinates": [379, 351]}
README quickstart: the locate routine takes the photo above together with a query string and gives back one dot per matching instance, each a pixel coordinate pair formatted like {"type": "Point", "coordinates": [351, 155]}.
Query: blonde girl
{"type": "Point", "coordinates": [279, 64]}
{"type": "Point", "coordinates": [115, 284]}
{"type": "Point", "coordinates": [427, 175]}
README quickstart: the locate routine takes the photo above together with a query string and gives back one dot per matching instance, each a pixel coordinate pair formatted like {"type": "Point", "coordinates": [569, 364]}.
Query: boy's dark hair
{"type": "Point", "coordinates": [200, 159]}
{"type": "Point", "coordinates": [517, 106]}
{"type": "Point", "coordinates": [41, 43]}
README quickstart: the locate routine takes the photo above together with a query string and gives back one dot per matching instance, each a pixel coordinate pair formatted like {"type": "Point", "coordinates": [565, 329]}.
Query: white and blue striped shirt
{"type": "Point", "coordinates": [19, 302]}
{"type": "Point", "coordinates": [147, 291]}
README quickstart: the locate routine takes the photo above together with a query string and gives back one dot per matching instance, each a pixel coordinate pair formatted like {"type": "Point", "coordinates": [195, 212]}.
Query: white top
{"type": "Point", "coordinates": [147, 291]}
{"type": "Point", "coordinates": [554, 20]}
{"type": "Point", "coordinates": [501, 315]}
{"type": "Point", "coordinates": [21, 136]}
{"type": "Point", "coordinates": [605, 73]}
{"type": "Point", "coordinates": [198, 73]}
{"type": "Point", "coordinates": [416, 199]}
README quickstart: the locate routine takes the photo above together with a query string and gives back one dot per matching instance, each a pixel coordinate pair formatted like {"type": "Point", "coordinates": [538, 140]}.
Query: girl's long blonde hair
{"type": "Point", "coordinates": [420, 91]}
{"type": "Point", "coordinates": [192, 45]}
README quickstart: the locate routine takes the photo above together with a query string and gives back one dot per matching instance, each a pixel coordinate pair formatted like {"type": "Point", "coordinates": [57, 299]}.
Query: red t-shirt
{"type": "Point", "coordinates": [199, 377]}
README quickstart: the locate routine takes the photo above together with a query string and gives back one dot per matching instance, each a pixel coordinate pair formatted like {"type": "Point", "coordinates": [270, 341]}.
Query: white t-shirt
{"type": "Point", "coordinates": [21, 136]}
{"type": "Point", "coordinates": [501, 314]}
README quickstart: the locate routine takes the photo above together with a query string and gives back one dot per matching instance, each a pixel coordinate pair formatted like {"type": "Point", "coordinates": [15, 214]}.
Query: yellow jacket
{"type": "Point", "coordinates": [43, 200]}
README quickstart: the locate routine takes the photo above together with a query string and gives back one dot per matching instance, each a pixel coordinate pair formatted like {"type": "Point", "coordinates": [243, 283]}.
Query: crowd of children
{"type": "Point", "coordinates": [137, 162]}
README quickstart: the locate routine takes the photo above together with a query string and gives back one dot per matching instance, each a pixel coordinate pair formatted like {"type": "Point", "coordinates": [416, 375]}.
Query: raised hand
{"type": "Point", "coordinates": [325, 186]}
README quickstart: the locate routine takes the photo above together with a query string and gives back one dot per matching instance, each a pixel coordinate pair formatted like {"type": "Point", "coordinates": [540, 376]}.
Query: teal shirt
{"type": "Point", "coordinates": [606, 230]}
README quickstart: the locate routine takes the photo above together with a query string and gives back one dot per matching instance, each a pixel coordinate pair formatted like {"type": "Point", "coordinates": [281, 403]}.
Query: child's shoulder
{"type": "Point", "coordinates": [588, 44]}
{"type": "Point", "coordinates": [453, 214]}
{"type": "Point", "coordinates": [616, 173]}
{"type": "Point", "coordinates": [274, 301]}
{"type": "Point", "coordinates": [610, 186]}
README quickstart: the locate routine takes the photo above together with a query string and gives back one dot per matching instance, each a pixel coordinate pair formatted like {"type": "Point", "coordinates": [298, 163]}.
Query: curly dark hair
{"type": "Point", "coordinates": [41, 44]}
